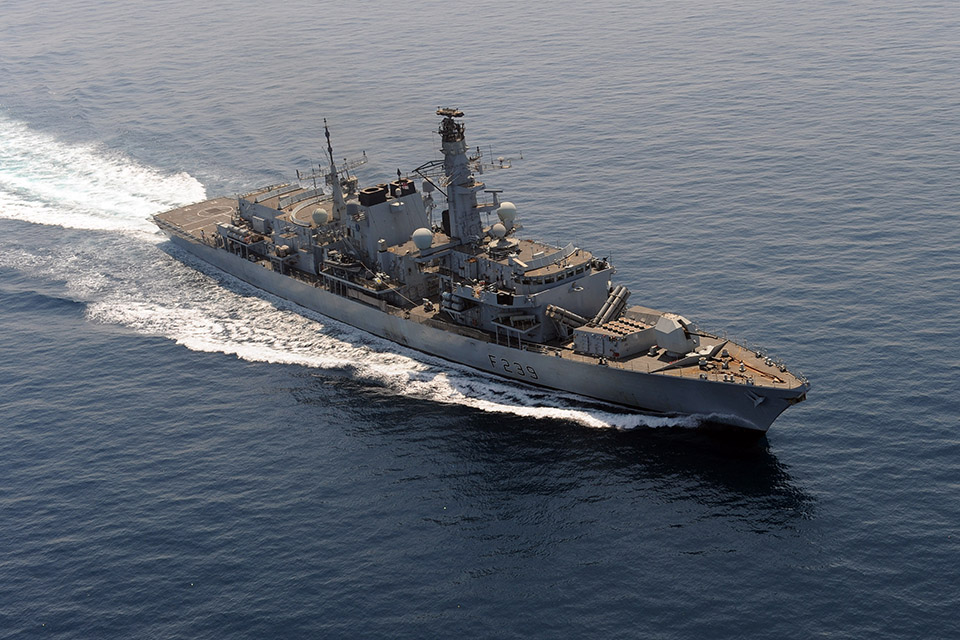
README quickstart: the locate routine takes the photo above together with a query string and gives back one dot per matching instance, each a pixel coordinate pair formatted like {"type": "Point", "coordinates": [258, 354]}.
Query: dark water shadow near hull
{"type": "Point", "coordinates": [533, 455]}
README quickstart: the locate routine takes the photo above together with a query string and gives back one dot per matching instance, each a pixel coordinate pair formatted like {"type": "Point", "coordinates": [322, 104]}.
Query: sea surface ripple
{"type": "Point", "coordinates": [184, 456]}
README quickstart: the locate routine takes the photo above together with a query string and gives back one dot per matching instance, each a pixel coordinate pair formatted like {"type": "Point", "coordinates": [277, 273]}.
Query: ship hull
{"type": "Point", "coordinates": [749, 409]}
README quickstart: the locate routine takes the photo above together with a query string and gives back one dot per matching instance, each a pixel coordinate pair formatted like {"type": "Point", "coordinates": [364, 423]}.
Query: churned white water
{"type": "Point", "coordinates": [82, 186]}
{"type": "Point", "coordinates": [127, 281]}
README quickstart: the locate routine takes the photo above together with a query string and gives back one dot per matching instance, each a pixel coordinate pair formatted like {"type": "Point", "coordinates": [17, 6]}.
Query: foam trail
{"type": "Point", "coordinates": [263, 328]}
{"type": "Point", "coordinates": [45, 181]}
{"type": "Point", "coordinates": [127, 280]}
{"type": "Point", "coordinates": [135, 284]}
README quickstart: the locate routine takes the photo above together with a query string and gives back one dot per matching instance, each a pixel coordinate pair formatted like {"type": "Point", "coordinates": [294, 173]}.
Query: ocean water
{"type": "Point", "coordinates": [184, 456]}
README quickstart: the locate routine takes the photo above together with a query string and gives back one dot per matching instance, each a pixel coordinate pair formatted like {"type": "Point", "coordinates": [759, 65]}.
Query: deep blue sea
{"type": "Point", "coordinates": [184, 457]}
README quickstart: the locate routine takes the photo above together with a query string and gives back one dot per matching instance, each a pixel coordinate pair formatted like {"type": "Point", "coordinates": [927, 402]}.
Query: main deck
{"type": "Point", "coordinates": [733, 364]}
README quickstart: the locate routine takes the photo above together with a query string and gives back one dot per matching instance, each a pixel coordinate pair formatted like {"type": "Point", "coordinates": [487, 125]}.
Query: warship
{"type": "Point", "coordinates": [455, 286]}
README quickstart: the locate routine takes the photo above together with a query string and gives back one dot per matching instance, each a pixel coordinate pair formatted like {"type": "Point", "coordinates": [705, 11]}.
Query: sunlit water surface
{"type": "Point", "coordinates": [183, 456]}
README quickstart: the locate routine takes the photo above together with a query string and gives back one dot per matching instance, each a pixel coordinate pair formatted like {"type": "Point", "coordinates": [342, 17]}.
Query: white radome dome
{"type": "Point", "coordinates": [498, 230]}
{"type": "Point", "coordinates": [507, 214]}
{"type": "Point", "coordinates": [422, 238]}
{"type": "Point", "coordinates": [320, 216]}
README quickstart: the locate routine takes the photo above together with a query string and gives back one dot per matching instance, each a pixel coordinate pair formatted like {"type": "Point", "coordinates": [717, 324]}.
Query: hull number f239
{"type": "Point", "coordinates": [514, 368]}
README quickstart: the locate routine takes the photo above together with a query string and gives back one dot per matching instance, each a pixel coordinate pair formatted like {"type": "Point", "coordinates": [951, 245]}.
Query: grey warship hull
{"type": "Point", "coordinates": [476, 294]}
{"type": "Point", "coordinates": [680, 395]}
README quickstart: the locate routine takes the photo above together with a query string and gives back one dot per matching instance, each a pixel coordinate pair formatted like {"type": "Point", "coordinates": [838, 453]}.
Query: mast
{"type": "Point", "coordinates": [339, 206]}
{"type": "Point", "coordinates": [462, 187]}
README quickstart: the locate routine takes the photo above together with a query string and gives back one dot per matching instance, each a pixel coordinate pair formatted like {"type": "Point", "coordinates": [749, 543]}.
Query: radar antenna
{"type": "Point", "coordinates": [500, 162]}
{"type": "Point", "coordinates": [450, 129]}
{"type": "Point", "coordinates": [343, 171]}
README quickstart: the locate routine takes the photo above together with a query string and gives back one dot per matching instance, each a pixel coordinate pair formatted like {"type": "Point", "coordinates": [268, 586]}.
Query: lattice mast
{"type": "Point", "coordinates": [339, 205]}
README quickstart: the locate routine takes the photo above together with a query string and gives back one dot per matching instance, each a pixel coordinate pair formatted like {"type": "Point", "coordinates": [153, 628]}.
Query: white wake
{"type": "Point", "coordinates": [45, 181]}
{"type": "Point", "coordinates": [126, 279]}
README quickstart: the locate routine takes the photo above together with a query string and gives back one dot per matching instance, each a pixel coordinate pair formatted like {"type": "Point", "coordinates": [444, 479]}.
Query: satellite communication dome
{"type": "Point", "coordinates": [320, 216]}
{"type": "Point", "coordinates": [507, 214]}
{"type": "Point", "coordinates": [498, 230]}
{"type": "Point", "coordinates": [423, 238]}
